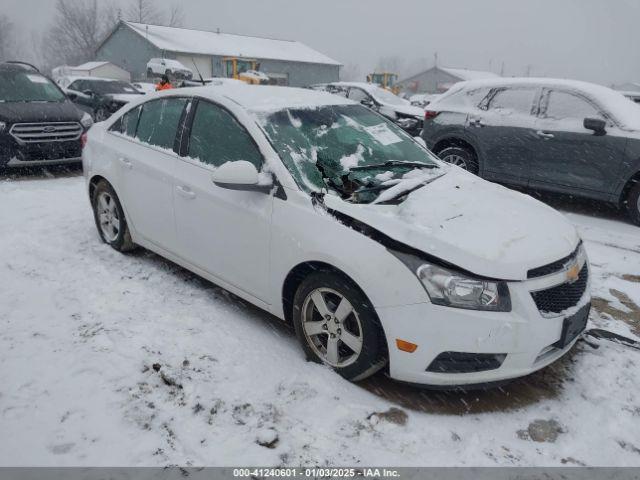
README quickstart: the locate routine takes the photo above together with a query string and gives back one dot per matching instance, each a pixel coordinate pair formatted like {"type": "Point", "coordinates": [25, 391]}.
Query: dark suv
{"type": "Point", "coordinates": [558, 135]}
{"type": "Point", "coordinates": [38, 124]}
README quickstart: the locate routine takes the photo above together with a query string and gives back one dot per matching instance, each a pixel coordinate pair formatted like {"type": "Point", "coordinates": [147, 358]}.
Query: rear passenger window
{"type": "Point", "coordinates": [159, 121]}
{"type": "Point", "coordinates": [217, 138]}
{"type": "Point", "coordinates": [513, 100]}
{"type": "Point", "coordinates": [127, 123]}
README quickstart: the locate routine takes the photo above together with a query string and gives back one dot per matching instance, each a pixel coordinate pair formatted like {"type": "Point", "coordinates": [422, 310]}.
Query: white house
{"type": "Point", "coordinates": [93, 69]}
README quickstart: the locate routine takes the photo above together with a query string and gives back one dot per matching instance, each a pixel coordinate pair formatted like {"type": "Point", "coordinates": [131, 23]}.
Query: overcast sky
{"type": "Point", "coordinates": [594, 40]}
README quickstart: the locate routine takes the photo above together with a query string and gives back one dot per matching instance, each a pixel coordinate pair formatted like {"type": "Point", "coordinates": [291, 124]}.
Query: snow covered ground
{"type": "Point", "coordinates": [110, 359]}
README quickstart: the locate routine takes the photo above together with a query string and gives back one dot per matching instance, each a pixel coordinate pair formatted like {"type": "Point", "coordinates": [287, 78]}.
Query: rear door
{"type": "Point", "coordinates": [503, 128]}
{"type": "Point", "coordinates": [222, 231]}
{"type": "Point", "coordinates": [568, 157]}
{"type": "Point", "coordinates": [147, 164]}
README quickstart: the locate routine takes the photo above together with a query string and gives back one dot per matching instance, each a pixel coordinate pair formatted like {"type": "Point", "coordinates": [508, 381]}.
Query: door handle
{"type": "Point", "coordinates": [185, 192]}
{"type": "Point", "coordinates": [542, 134]}
{"type": "Point", "coordinates": [476, 122]}
{"type": "Point", "coordinates": [127, 163]}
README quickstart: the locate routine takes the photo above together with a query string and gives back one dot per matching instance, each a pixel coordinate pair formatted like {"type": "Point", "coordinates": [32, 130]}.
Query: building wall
{"type": "Point", "coordinates": [129, 51]}
{"type": "Point", "coordinates": [203, 62]}
{"type": "Point", "coordinates": [298, 74]}
{"type": "Point", "coordinates": [429, 81]}
{"type": "Point", "coordinates": [111, 71]}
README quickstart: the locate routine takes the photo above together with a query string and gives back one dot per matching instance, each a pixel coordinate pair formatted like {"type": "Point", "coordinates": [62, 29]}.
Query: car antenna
{"type": "Point", "coordinates": [198, 70]}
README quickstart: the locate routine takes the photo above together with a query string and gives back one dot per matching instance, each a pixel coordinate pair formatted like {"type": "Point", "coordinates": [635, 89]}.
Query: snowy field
{"type": "Point", "coordinates": [109, 359]}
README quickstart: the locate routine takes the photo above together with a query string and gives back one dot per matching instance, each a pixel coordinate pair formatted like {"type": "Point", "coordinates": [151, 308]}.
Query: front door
{"type": "Point", "coordinates": [224, 232]}
{"type": "Point", "coordinates": [570, 157]}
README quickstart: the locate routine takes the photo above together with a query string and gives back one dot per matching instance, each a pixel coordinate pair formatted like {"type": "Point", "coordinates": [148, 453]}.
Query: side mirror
{"type": "Point", "coordinates": [596, 124]}
{"type": "Point", "coordinates": [88, 93]}
{"type": "Point", "coordinates": [240, 175]}
{"type": "Point", "coordinates": [72, 95]}
{"type": "Point", "coordinates": [367, 102]}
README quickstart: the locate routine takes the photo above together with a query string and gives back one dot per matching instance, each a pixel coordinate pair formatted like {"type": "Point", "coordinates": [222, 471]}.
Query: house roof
{"type": "Point", "coordinates": [89, 66]}
{"type": "Point", "coordinates": [202, 42]}
{"type": "Point", "coordinates": [466, 74]}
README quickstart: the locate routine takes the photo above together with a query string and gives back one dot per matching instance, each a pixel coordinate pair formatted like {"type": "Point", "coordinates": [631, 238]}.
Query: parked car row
{"type": "Point", "coordinates": [558, 135]}
{"type": "Point", "coordinates": [399, 110]}
{"type": "Point", "coordinates": [39, 125]}
{"type": "Point", "coordinates": [327, 214]}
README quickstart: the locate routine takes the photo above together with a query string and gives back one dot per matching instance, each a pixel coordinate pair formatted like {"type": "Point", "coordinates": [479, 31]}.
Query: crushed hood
{"type": "Point", "coordinates": [476, 225]}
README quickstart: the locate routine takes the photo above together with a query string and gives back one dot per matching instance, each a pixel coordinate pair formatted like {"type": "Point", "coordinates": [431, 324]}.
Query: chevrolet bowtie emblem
{"type": "Point", "coordinates": [573, 272]}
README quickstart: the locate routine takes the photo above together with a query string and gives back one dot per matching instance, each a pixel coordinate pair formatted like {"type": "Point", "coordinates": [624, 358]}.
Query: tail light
{"type": "Point", "coordinates": [430, 114]}
{"type": "Point", "coordinates": [83, 140]}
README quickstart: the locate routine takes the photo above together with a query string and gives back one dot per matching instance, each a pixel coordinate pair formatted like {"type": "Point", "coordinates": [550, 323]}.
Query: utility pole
{"type": "Point", "coordinates": [502, 69]}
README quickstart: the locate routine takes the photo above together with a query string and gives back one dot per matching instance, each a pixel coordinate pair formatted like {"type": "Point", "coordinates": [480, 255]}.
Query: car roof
{"type": "Point", "coordinates": [257, 98]}
{"type": "Point", "coordinates": [626, 113]}
{"type": "Point", "coordinates": [73, 78]}
{"type": "Point", "coordinates": [369, 87]}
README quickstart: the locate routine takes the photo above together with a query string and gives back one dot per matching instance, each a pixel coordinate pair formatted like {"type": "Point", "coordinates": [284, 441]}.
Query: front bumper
{"type": "Point", "coordinates": [15, 154]}
{"type": "Point", "coordinates": [525, 340]}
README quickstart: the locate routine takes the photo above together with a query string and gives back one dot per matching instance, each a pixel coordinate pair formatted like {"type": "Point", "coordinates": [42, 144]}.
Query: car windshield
{"type": "Point", "coordinates": [348, 150]}
{"type": "Point", "coordinates": [385, 96]}
{"type": "Point", "coordinates": [24, 86]}
{"type": "Point", "coordinates": [108, 87]}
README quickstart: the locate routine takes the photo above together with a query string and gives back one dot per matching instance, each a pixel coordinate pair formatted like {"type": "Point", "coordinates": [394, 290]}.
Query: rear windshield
{"type": "Point", "coordinates": [23, 86]}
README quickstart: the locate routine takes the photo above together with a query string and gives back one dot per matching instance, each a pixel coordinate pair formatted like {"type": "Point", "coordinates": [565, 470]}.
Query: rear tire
{"type": "Point", "coordinates": [109, 217]}
{"type": "Point", "coordinates": [347, 336]}
{"type": "Point", "coordinates": [462, 157]}
{"type": "Point", "coordinates": [633, 204]}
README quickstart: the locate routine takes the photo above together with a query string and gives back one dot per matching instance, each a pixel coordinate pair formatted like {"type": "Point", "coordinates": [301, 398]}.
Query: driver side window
{"type": "Point", "coordinates": [216, 138]}
{"type": "Point", "coordinates": [563, 105]}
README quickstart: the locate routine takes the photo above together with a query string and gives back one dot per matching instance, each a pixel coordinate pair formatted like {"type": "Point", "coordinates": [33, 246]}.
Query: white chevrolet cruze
{"type": "Point", "coordinates": [329, 216]}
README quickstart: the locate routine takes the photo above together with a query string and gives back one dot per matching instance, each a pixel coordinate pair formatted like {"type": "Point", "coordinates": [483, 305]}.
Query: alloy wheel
{"type": "Point", "coordinates": [456, 160]}
{"type": "Point", "coordinates": [332, 327]}
{"type": "Point", "coordinates": [108, 217]}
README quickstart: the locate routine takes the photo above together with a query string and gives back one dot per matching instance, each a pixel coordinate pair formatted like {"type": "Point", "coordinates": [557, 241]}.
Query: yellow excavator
{"type": "Point", "coordinates": [244, 69]}
{"type": "Point", "coordinates": [386, 80]}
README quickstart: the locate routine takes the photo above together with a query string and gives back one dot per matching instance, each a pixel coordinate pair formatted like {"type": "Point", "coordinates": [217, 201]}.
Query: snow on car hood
{"type": "Point", "coordinates": [476, 225]}
{"type": "Point", "coordinates": [408, 110]}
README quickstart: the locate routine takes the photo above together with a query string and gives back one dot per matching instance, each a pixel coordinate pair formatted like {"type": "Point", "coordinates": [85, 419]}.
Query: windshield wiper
{"type": "Point", "coordinates": [394, 163]}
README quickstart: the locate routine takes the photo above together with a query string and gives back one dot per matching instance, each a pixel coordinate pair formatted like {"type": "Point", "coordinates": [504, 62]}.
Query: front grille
{"type": "Point", "coordinates": [564, 296]}
{"type": "Point", "coordinates": [46, 132]}
{"type": "Point", "coordinates": [554, 266]}
{"type": "Point", "coordinates": [461, 362]}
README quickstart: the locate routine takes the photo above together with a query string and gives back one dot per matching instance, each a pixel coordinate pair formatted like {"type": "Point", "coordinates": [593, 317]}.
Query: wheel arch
{"type": "Point", "coordinates": [447, 142]}
{"type": "Point", "coordinates": [633, 180]}
{"type": "Point", "coordinates": [295, 277]}
{"type": "Point", "coordinates": [93, 182]}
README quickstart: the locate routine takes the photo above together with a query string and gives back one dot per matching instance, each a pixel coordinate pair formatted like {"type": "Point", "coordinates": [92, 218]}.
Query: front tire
{"type": "Point", "coordinates": [462, 157]}
{"type": "Point", "coordinates": [109, 217]}
{"type": "Point", "coordinates": [633, 204]}
{"type": "Point", "coordinates": [337, 326]}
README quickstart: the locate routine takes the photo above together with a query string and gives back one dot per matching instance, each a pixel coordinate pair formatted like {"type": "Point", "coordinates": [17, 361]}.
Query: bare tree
{"type": "Point", "coordinates": [77, 29]}
{"type": "Point", "coordinates": [6, 38]}
{"type": "Point", "coordinates": [144, 11]}
{"type": "Point", "coordinates": [176, 15]}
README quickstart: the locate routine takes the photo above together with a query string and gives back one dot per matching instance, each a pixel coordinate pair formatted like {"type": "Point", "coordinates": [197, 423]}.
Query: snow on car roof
{"type": "Point", "coordinates": [369, 87]}
{"type": "Point", "coordinates": [266, 98]}
{"type": "Point", "coordinates": [202, 42]}
{"type": "Point", "coordinates": [626, 113]}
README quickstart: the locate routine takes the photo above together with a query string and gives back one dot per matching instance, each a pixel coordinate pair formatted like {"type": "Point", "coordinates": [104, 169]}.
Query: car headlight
{"type": "Point", "coordinates": [456, 289]}
{"type": "Point", "coordinates": [86, 120]}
